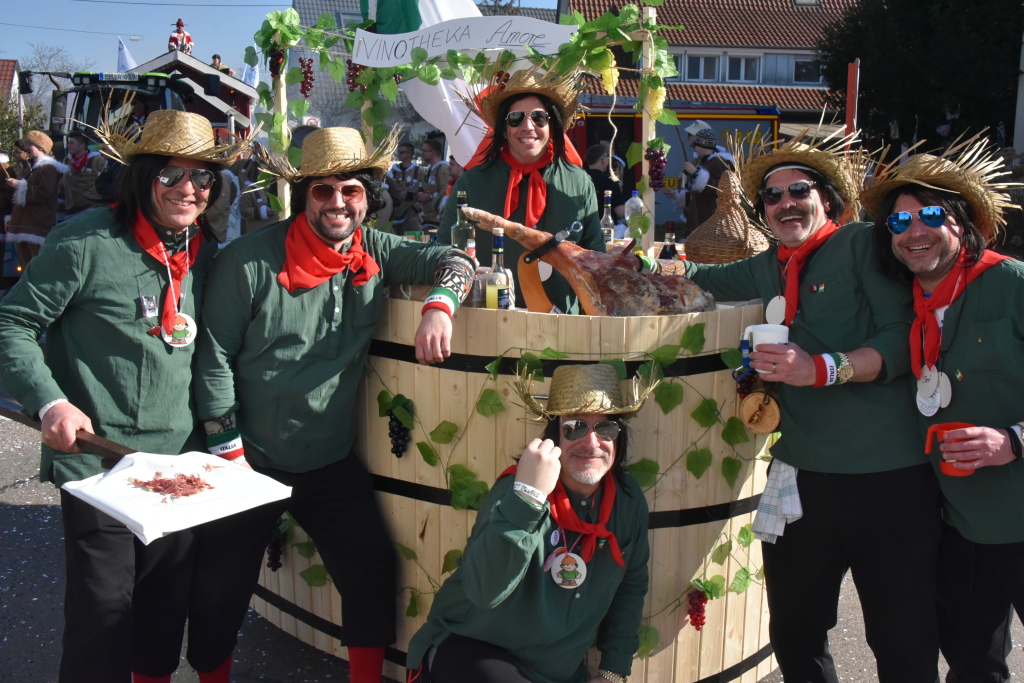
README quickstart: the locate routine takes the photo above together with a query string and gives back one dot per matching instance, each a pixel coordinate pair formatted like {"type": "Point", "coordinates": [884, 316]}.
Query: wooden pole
{"type": "Point", "coordinates": [647, 128]}
{"type": "Point", "coordinates": [852, 93]}
{"type": "Point", "coordinates": [281, 107]}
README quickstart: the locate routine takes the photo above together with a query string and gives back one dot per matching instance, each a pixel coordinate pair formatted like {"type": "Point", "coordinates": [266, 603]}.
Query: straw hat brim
{"type": "Point", "coordinates": [320, 161]}
{"type": "Point", "coordinates": [562, 88]}
{"type": "Point", "coordinates": [581, 404]}
{"type": "Point", "coordinates": [827, 164]}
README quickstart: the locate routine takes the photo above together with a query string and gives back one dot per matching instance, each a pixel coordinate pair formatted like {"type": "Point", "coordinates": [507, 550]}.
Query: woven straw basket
{"type": "Point", "coordinates": [727, 236]}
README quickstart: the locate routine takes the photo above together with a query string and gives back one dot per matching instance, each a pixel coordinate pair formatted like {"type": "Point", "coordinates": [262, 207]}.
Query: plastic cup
{"type": "Point", "coordinates": [940, 430]}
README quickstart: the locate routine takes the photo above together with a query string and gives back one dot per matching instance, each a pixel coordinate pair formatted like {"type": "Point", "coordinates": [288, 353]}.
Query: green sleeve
{"type": "Point", "coordinates": [617, 636]}
{"type": "Point", "coordinates": [227, 311]}
{"type": "Point", "coordinates": [48, 286]}
{"type": "Point", "coordinates": [727, 282]}
{"type": "Point", "coordinates": [405, 262]}
{"type": "Point", "coordinates": [505, 539]}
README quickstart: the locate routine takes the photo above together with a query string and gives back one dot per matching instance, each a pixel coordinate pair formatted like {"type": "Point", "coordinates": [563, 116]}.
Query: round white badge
{"type": "Point", "coordinates": [775, 311]}
{"type": "Point", "coordinates": [554, 537]}
{"type": "Point", "coordinates": [928, 383]}
{"type": "Point", "coordinates": [945, 390]}
{"type": "Point", "coordinates": [569, 570]}
{"type": "Point", "coordinates": [928, 405]}
{"type": "Point", "coordinates": [183, 332]}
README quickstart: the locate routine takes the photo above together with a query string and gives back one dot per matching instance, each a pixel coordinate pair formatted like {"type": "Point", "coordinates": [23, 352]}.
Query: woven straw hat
{"type": "Point", "coordinates": [969, 169]}
{"type": "Point", "coordinates": [581, 389]}
{"type": "Point", "coordinates": [331, 151]}
{"type": "Point", "coordinates": [168, 132]}
{"type": "Point", "coordinates": [728, 235]}
{"type": "Point", "coordinates": [562, 88]}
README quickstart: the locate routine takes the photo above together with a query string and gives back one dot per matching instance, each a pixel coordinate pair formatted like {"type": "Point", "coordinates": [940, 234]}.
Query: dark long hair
{"type": "Point", "coordinates": [373, 187]}
{"type": "Point", "coordinates": [835, 200]}
{"type": "Point", "coordinates": [135, 191]}
{"type": "Point", "coordinates": [955, 206]}
{"type": "Point", "coordinates": [552, 431]}
{"type": "Point", "coordinates": [555, 126]}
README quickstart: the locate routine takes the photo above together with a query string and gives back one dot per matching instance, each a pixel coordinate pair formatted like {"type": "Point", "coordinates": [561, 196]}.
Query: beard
{"type": "Point", "coordinates": [593, 472]}
{"type": "Point", "coordinates": [336, 234]}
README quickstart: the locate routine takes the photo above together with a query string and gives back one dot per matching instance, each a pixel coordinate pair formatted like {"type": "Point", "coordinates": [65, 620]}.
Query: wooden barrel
{"type": "Point", "coordinates": [690, 516]}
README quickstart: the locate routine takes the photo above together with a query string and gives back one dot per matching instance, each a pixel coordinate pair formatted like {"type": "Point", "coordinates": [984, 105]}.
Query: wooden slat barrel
{"type": "Point", "coordinates": [690, 516]}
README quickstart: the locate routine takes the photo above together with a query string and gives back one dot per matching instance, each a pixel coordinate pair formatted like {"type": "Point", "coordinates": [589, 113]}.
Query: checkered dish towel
{"type": "Point", "coordinates": [780, 503]}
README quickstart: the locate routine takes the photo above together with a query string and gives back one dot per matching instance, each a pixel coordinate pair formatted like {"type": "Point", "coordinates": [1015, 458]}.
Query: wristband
{"type": "Point", "coordinates": [227, 445]}
{"type": "Point", "coordinates": [42, 411]}
{"type": "Point", "coordinates": [648, 266]}
{"type": "Point", "coordinates": [443, 298]}
{"type": "Point", "coordinates": [530, 492]}
{"type": "Point", "coordinates": [825, 370]}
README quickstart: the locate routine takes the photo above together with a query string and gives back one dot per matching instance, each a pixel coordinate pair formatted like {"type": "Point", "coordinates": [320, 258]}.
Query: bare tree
{"type": "Point", "coordinates": [46, 57]}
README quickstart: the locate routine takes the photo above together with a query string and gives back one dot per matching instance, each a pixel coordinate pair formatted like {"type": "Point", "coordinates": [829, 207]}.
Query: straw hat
{"type": "Point", "coordinates": [170, 133]}
{"type": "Point", "coordinates": [969, 169]}
{"type": "Point", "coordinates": [581, 389]}
{"type": "Point", "coordinates": [563, 88]}
{"type": "Point", "coordinates": [331, 151]}
{"type": "Point", "coordinates": [728, 235]}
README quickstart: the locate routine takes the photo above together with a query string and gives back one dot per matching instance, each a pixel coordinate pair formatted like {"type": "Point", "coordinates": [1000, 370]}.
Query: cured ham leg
{"type": "Point", "coordinates": [606, 284]}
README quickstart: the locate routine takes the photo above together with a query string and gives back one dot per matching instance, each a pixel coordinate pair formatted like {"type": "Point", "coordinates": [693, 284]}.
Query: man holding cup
{"type": "Point", "coordinates": [934, 217]}
{"type": "Point", "coordinates": [866, 504]}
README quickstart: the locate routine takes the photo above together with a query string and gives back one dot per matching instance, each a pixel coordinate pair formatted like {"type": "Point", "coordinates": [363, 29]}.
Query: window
{"type": "Point", "coordinates": [806, 71]}
{"type": "Point", "coordinates": [743, 69]}
{"type": "Point", "coordinates": [699, 68]}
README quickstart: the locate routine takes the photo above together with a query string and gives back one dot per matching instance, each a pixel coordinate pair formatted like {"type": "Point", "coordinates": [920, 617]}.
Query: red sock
{"type": "Point", "coordinates": [365, 664]}
{"type": "Point", "coordinates": [222, 674]}
{"type": "Point", "coordinates": [143, 678]}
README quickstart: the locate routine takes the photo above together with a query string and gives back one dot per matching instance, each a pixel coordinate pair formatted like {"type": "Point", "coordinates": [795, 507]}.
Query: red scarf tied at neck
{"type": "Point", "coordinates": [537, 190]}
{"type": "Point", "coordinates": [565, 517]}
{"type": "Point", "coordinates": [926, 350]}
{"type": "Point", "coordinates": [793, 260]}
{"type": "Point", "coordinates": [79, 162]}
{"type": "Point", "coordinates": [309, 262]}
{"type": "Point", "coordinates": [179, 264]}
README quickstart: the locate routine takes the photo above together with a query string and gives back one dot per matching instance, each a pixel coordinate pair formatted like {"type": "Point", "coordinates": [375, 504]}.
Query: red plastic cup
{"type": "Point", "coordinates": [940, 430]}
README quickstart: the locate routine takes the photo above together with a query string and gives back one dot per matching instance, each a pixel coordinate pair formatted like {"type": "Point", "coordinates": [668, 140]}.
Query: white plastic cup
{"type": "Point", "coordinates": [765, 334]}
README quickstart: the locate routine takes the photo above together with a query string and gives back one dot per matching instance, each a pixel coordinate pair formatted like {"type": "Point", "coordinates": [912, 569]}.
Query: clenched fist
{"type": "Point", "coordinates": [539, 467]}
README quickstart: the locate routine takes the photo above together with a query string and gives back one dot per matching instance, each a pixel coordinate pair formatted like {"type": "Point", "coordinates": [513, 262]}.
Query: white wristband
{"type": "Point", "coordinates": [831, 372]}
{"type": "Point", "coordinates": [530, 492]}
{"type": "Point", "coordinates": [42, 411]}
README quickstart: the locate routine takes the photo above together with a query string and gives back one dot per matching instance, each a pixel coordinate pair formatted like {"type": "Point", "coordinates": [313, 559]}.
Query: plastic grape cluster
{"type": "Point", "coordinates": [500, 79]}
{"type": "Point", "coordinates": [307, 76]}
{"type": "Point", "coordinates": [274, 552]}
{"type": "Point", "coordinates": [746, 385]}
{"type": "Point", "coordinates": [276, 60]}
{"type": "Point", "coordinates": [399, 434]}
{"type": "Point", "coordinates": [697, 601]}
{"type": "Point", "coordinates": [656, 173]}
{"type": "Point", "coordinates": [353, 72]}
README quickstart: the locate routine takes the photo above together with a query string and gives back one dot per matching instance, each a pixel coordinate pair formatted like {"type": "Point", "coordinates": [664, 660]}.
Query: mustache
{"type": "Point", "coordinates": [790, 213]}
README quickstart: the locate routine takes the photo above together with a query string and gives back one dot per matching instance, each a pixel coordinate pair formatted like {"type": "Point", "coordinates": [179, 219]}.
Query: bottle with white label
{"type": "Point", "coordinates": [607, 220]}
{"type": "Point", "coordinates": [497, 281]}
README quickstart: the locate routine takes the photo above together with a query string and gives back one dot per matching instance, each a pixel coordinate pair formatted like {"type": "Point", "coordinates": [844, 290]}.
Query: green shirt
{"type": "Point", "coordinates": [500, 593]}
{"type": "Point", "coordinates": [982, 352]}
{"type": "Point", "coordinates": [570, 197]}
{"type": "Point", "coordinates": [85, 290]}
{"type": "Point", "coordinates": [288, 363]}
{"type": "Point", "coordinates": [857, 427]}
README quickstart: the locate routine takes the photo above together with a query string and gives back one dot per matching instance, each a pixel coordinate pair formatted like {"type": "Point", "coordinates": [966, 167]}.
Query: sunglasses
{"type": "Point", "coordinates": [202, 178]}
{"type": "Point", "coordinates": [773, 195]}
{"type": "Point", "coordinates": [321, 192]}
{"type": "Point", "coordinates": [514, 119]}
{"type": "Point", "coordinates": [574, 430]}
{"type": "Point", "coordinates": [932, 216]}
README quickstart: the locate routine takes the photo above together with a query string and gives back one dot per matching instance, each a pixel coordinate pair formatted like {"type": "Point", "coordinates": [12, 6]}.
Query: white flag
{"type": "Point", "coordinates": [125, 61]}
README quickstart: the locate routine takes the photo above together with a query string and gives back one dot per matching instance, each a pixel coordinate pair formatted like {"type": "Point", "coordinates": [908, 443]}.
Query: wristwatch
{"type": "Point", "coordinates": [613, 677]}
{"type": "Point", "coordinates": [844, 373]}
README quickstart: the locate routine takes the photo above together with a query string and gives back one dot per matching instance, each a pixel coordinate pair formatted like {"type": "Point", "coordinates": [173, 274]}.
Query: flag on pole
{"type": "Point", "coordinates": [125, 61]}
{"type": "Point", "coordinates": [251, 74]}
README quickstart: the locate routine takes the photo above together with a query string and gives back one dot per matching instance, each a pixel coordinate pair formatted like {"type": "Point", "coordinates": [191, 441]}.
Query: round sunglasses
{"type": "Point", "coordinates": [932, 216]}
{"type": "Point", "coordinates": [516, 118]}
{"type": "Point", "coordinates": [574, 430]}
{"type": "Point", "coordinates": [202, 178]}
{"type": "Point", "coordinates": [773, 195]}
{"type": "Point", "coordinates": [322, 192]}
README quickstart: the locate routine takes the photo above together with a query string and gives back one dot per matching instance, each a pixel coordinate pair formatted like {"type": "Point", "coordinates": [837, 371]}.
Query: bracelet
{"type": "Point", "coordinates": [227, 445]}
{"type": "Point", "coordinates": [609, 676]}
{"type": "Point", "coordinates": [530, 492]}
{"type": "Point", "coordinates": [42, 411]}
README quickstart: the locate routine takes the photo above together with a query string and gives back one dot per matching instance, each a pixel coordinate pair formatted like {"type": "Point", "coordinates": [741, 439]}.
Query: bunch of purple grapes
{"type": "Point", "coordinates": [697, 601]}
{"type": "Point", "coordinates": [746, 385]}
{"type": "Point", "coordinates": [307, 76]}
{"type": "Point", "coordinates": [274, 552]}
{"type": "Point", "coordinates": [353, 72]}
{"type": "Point", "coordinates": [400, 436]}
{"type": "Point", "coordinates": [656, 173]}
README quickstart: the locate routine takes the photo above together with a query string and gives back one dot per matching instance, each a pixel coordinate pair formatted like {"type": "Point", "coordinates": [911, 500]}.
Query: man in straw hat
{"type": "Point", "coordinates": [514, 611]}
{"type": "Point", "coordinates": [528, 171]}
{"type": "Point", "coordinates": [934, 218]}
{"type": "Point", "coordinates": [107, 288]}
{"type": "Point", "coordinates": [869, 505]}
{"type": "Point", "coordinates": [281, 358]}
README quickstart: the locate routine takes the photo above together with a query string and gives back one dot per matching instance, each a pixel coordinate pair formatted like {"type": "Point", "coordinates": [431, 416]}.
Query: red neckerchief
{"type": "Point", "coordinates": [793, 260]}
{"type": "Point", "coordinates": [79, 165]}
{"type": "Point", "coordinates": [566, 517]}
{"type": "Point", "coordinates": [952, 286]}
{"type": "Point", "coordinates": [179, 264]}
{"type": "Point", "coordinates": [309, 262]}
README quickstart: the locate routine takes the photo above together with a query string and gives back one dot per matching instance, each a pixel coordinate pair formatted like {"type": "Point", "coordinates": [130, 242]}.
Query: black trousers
{"type": "Point", "coordinates": [885, 528]}
{"type": "Point", "coordinates": [459, 659]}
{"type": "Point", "coordinates": [980, 586]}
{"type": "Point", "coordinates": [125, 603]}
{"type": "Point", "coordinates": [336, 506]}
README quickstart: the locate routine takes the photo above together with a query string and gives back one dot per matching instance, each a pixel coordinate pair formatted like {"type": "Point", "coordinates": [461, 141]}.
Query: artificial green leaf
{"type": "Point", "coordinates": [698, 461]}
{"type": "Point", "coordinates": [654, 3]}
{"type": "Point", "coordinates": [380, 131]}
{"type": "Point", "coordinates": [384, 400]}
{"type": "Point", "coordinates": [449, 74]}
{"type": "Point", "coordinates": [599, 60]}
{"type": "Point", "coordinates": [355, 100]}
{"type": "Point", "coordinates": [731, 470]}
{"type": "Point", "coordinates": [715, 587]}
{"type": "Point", "coordinates": [404, 414]}
{"type": "Point", "coordinates": [668, 395]}
{"type": "Point", "coordinates": [293, 76]}
{"type": "Point", "coordinates": [629, 14]}
{"type": "Point", "coordinates": [418, 54]}
{"type": "Point", "coordinates": [641, 187]}
{"type": "Point", "coordinates": [668, 117]}
{"type": "Point", "coordinates": [619, 365]}
{"type": "Point", "coordinates": [407, 552]}
{"type": "Point", "coordinates": [326, 22]}
{"type": "Point", "coordinates": [315, 576]}
{"type": "Point", "coordinates": [427, 453]}
{"type": "Point", "coordinates": [489, 403]}
{"type": "Point", "coordinates": [721, 552]}
{"type": "Point", "coordinates": [306, 549]}
{"type": "Point", "coordinates": [298, 108]}
{"type": "Point", "coordinates": [746, 535]}
{"type": "Point", "coordinates": [634, 154]}
{"type": "Point", "coordinates": [551, 353]}
{"type": "Point", "coordinates": [413, 609]}
{"type": "Point", "coordinates": [645, 472]}
{"type": "Point", "coordinates": [529, 363]}
{"type": "Point", "coordinates": [493, 366]}
{"type": "Point", "coordinates": [706, 414]}
{"type": "Point", "coordinates": [649, 639]}
{"type": "Point", "coordinates": [732, 358]}
{"type": "Point", "coordinates": [639, 223]}
{"type": "Point", "coordinates": [266, 96]}
{"type": "Point", "coordinates": [658, 144]}
{"type": "Point", "coordinates": [366, 78]}
{"type": "Point", "coordinates": [759, 574]}
{"type": "Point", "coordinates": [429, 74]}
{"type": "Point", "coordinates": [295, 156]}
{"type": "Point", "coordinates": [275, 204]}
{"type": "Point", "coordinates": [285, 526]}
{"type": "Point", "coordinates": [644, 371]}
{"type": "Point", "coordinates": [444, 432]}
{"type": "Point", "coordinates": [451, 560]}
{"type": "Point", "coordinates": [667, 354]}
{"type": "Point", "coordinates": [741, 581]}
{"type": "Point", "coordinates": [734, 432]}
{"type": "Point", "coordinates": [693, 338]}
{"type": "Point", "coordinates": [382, 109]}
{"type": "Point", "coordinates": [250, 56]}
{"type": "Point", "coordinates": [466, 490]}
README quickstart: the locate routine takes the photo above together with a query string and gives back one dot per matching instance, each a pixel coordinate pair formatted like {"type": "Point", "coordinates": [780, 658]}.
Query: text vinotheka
{"type": "Point", "coordinates": [376, 47]}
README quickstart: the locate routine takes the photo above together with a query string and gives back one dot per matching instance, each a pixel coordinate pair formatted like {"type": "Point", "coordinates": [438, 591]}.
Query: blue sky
{"type": "Point", "coordinates": [222, 26]}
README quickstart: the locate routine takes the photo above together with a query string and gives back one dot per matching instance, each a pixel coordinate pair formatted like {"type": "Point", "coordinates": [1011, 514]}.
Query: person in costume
{"type": "Point", "coordinates": [107, 289]}
{"type": "Point", "coordinates": [180, 39]}
{"type": "Point", "coordinates": [78, 185]}
{"type": "Point", "coordinates": [869, 505]}
{"type": "Point", "coordinates": [435, 184]}
{"type": "Point", "coordinates": [405, 178]}
{"type": "Point", "coordinates": [35, 197]}
{"type": "Point", "coordinates": [504, 616]}
{"type": "Point", "coordinates": [699, 197]}
{"type": "Point", "coordinates": [528, 171]}
{"type": "Point", "coordinates": [281, 359]}
{"type": "Point", "coordinates": [934, 219]}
